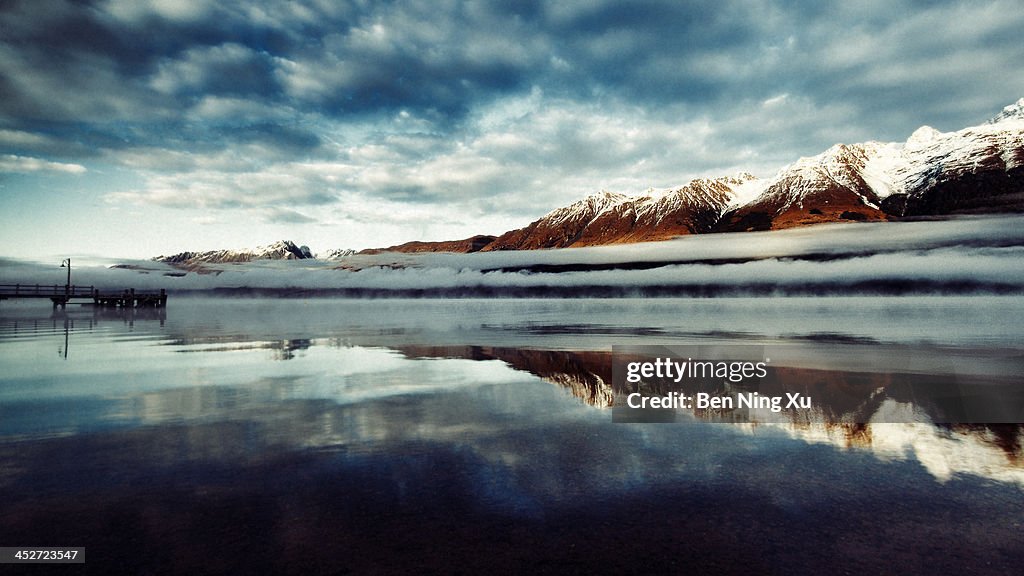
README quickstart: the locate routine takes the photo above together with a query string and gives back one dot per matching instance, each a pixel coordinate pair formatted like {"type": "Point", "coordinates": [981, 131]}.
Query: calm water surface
{"type": "Point", "coordinates": [390, 436]}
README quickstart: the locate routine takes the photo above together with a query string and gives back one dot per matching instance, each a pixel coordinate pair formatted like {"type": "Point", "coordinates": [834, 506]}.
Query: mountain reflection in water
{"type": "Point", "coordinates": [846, 422]}
{"type": "Point", "coordinates": [384, 437]}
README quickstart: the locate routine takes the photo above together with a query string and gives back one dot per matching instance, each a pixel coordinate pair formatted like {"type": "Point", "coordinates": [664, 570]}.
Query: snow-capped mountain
{"type": "Point", "coordinates": [1014, 111]}
{"type": "Point", "coordinates": [932, 173]}
{"type": "Point", "coordinates": [335, 254]}
{"type": "Point", "coordinates": [977, 169]}
{"type": "Point", "coordinates": [610, 218]}
{"type": "Point", "coordinates": [280, 250]}
{"type": "Point", "coordinates": [842, 183]}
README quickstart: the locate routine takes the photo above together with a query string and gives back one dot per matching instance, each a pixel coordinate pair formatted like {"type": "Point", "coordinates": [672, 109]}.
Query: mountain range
{"type": "Point", "coordinates": [978, 169]}
{"type": "Point", "coordinates": [280, 250]}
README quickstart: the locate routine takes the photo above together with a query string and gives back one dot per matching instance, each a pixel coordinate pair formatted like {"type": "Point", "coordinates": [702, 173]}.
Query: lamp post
{"type": "Point", "coordinates": [67, 287]}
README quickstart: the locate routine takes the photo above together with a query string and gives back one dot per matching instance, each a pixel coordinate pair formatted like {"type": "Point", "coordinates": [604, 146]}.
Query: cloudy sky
{"type": "Point", "coordinates": [133, 128]}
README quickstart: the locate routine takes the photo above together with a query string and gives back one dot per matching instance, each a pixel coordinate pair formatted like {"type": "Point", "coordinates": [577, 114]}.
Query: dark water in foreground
{"type": "Point", "coordinates": [334, 436]}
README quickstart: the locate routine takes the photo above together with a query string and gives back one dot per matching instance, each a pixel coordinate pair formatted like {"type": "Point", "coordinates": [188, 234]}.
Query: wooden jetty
{"type": "Point", "coordinates": [61, 295]}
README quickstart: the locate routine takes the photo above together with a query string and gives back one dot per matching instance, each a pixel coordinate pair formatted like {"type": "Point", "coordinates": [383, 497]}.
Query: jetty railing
{"type": "Point", "coordinates": [61, 294]}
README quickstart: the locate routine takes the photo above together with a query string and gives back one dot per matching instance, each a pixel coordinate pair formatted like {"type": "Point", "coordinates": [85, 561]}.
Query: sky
{"type": "Point", "coordinates": [135, 128]}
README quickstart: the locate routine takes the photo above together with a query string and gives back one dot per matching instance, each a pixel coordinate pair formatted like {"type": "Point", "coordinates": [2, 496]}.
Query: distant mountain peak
{"type": "Point", "coordinates": [922, 137]}
{"type": "Point", "coordinates": [588, 207]}
{"type": "Point", "coordinates": [280, 250]}
{"type": "Point", "coordinates": [286, 247]}
{"type": "Point", "coordinates": [1014, 111]}
{"type": "Point", "coordinates": [335, 254]}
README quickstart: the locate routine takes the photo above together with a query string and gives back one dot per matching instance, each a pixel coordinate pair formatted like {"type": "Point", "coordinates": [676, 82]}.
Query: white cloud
{"type": "Point", "coordinates": [23, 164]}
{"type": "Point", "coordinates": [133, 11]}
{"type": "Point", "coordinates": [198, 68]}
{"type": "Point", "coordinates": [516, 159]}
{"type": "Point", "coordinates": [10, 138]}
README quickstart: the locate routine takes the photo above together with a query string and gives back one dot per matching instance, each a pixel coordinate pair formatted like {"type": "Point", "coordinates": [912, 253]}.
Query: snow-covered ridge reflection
{"type": "Point", "coordinates": [894, 430]}
{"type": "Point", "coordinates": [995, 452]}
{"type": "Point", "coordinates": [354, 418]}
{"type": "Point", "coordinates": [488, 381]}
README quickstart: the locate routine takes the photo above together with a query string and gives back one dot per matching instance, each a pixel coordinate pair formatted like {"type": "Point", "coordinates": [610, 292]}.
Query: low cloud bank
{"type": "Point", "coordinates": [968, 255]}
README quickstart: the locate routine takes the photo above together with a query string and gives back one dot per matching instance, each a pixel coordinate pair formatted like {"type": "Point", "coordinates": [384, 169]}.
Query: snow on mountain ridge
{"type": "Point", "coordinates": [839, 167]}
{"type": "Point", "coordinates": [921, 138]}
{"type": "Point", "coordinates": [659, 201]}
{"type": "Point", "coordinates": [940, 156]}
{"type": "Point", "coordinates": [335, 254]}
{"type": "Point", "coordinates": [1014, 111]}
{"type": "Point", "coordinates": [874, 171]}
{"type": "Point", "coordinates": [881, 168]}
{"type": "Point", "coordinates": [280, 250]}
{"type": "Point", "coordinates": [612, 218]}
{"type": "Point", "coordinates": [589, 207]}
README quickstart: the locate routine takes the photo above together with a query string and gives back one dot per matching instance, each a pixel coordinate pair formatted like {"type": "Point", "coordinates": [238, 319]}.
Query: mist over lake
{"type": "Point", "coordinates": [966, 255]}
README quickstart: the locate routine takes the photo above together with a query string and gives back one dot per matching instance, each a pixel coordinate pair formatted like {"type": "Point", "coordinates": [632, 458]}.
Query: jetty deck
{"type": "Point", "coordinates": [60, 295]}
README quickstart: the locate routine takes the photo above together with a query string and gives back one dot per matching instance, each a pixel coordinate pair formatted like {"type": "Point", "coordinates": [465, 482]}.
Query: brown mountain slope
{"type": "Point", "coordinates": [609, 218]}
{"type": "Point", "coordinates": [829, 187]}
{"type": "Point", "coordinates": [472, 244]}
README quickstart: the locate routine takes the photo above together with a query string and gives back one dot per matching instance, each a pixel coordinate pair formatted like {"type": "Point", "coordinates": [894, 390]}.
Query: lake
{"type": "Point", "coordinates": [243, 435]}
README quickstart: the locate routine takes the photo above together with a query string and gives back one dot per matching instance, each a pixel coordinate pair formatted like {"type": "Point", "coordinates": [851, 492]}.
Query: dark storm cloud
{"type": "Point", "coordinates": [356, 60]}
{"type": "Point", "coordinates": [115, 61]}
{"type": "Point", "coordinates": [516, 107]}
{"type": "Point", "coordinates": [652, 50]}
{"type": "Point", "coordinates": [898, 62]}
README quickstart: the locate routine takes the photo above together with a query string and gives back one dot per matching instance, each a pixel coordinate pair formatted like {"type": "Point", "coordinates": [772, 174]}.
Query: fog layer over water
{"type": "Point", "coordinates": [965, 255]}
